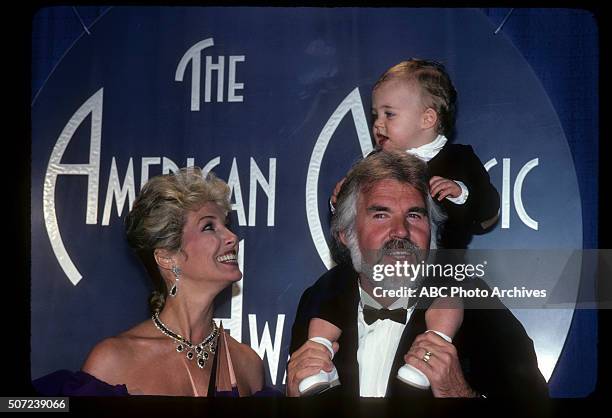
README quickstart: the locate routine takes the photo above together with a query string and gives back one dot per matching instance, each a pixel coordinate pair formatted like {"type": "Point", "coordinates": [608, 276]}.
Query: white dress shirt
{"type": "Point", "coordinates": [377, 346]}
{"type": "Point", "coordinates": [427, 152]}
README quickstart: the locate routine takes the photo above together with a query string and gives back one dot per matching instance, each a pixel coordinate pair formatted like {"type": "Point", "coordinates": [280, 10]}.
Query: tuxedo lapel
{"type": "Point", "coordinates": [345, 359]}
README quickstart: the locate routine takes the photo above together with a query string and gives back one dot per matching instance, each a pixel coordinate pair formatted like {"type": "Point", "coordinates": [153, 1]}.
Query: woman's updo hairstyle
{"type": "Point", "coordinates": [158, 216]}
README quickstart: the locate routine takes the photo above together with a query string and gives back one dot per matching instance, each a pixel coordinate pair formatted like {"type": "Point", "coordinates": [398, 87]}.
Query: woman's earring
{"type": "Point", "coordinates": [177, 274]}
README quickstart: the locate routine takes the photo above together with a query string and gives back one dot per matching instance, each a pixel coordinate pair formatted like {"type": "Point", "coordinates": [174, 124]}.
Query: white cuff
{"type": "Point", "coordinates": [462, 198]}
{"type": "Point", "coordinates": [326, 343]}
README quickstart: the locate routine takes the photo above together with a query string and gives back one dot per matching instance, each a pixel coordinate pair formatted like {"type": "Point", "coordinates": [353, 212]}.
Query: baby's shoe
{"type": "Point", "coordinates": [323, 380]}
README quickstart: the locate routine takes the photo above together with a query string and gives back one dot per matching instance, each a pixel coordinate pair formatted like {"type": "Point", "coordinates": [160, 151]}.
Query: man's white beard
{"type": "Point", "coordinates": [353, 246]}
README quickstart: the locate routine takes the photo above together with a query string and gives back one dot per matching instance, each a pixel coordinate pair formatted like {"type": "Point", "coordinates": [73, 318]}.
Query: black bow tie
{"type": "Point", "coordinates": [370, 315]}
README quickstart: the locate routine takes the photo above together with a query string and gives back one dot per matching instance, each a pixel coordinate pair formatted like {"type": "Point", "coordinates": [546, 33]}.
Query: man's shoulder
{"type": "Point", "coordinates": [490, 314]}
{"type": "Point", "coordinates": [337, 278]}
{"type": "Point", "coordinates": [333, 286]}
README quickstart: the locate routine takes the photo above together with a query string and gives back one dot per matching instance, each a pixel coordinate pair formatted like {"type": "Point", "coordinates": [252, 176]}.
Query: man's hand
{"type": "Point", "coordinates": [306, 361]}
{"type": "Point", "coordinates": [443, 369]}
{"type": "Point", "coordinates": [443, 188]}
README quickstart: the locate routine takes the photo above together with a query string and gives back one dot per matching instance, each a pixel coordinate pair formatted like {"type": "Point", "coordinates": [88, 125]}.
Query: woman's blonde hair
{"type": "Point", "coordinates": [158, 216]}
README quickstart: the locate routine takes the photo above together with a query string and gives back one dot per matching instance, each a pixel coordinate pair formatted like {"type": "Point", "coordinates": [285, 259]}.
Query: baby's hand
{"type": "Point", "coordinates": [443, 188]}
{"type": "Point", "coordinates": [334, 196]}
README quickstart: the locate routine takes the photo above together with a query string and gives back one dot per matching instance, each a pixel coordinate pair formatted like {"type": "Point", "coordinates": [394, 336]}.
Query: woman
{"type": "Point", "coordinates": [178, 228]}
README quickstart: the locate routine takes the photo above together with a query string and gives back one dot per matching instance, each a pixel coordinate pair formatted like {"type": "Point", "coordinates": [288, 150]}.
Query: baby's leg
{"type": "Point", "coordinates": [445, 315]}
{"type": "Point", "coordinates": [327, 334]}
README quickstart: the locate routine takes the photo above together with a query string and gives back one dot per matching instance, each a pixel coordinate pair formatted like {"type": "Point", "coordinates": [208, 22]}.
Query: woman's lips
{"type": "Point", "coordinates": [228, 258]}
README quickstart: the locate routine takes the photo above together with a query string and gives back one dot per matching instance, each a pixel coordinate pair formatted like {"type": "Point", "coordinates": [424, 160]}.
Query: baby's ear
{"type": "Point", "coordinates": [430, 118]}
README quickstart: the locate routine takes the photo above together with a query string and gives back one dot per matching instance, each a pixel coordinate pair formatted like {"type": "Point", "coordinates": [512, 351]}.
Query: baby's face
{"type": "Point", "coordinates": [398, 116]}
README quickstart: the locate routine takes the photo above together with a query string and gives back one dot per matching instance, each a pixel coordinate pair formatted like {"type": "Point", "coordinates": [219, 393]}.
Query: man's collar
{"type": "Point", "coordinates": [367, 299]}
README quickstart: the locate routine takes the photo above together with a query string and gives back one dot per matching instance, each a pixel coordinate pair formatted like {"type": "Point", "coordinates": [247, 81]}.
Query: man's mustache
{"type": "Point", "coordinates": [402, 244]}
{"type": "Point", "coordinates": [395, 245]}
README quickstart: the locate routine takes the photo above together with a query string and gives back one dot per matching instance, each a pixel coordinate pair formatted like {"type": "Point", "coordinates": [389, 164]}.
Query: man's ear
{"type": "Point", "coordinates": [342, 236]}
{"type": "Point", "coordinates": [430, 118]}
{"type": "Point", "coordinates": [163, 258]}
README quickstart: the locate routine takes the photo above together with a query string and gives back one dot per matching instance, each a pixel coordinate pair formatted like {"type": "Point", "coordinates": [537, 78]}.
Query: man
{"type": "Point", "coordinates": [384, 205]}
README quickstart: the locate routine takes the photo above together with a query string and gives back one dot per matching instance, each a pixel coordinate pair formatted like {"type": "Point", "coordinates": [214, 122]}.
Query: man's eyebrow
{"type": "Point", "coordinates": [418, 209]}
{"type": "Point", "coordinates": [377, 208]}
{"type": "Point", "coordinates": [207, 217]}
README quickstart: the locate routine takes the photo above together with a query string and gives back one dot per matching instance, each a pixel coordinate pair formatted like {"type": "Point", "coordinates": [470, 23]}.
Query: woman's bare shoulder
{"type": "Point", "coordinates": [107, 359]}
{"type": "Point", "coordinates": [112, 357]}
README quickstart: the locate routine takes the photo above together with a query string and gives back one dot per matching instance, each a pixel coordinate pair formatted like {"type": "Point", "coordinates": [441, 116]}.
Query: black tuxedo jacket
{"type": "Point", "coordinates": [496, 355]}
{"type": "Point", "coordinates": [459, 162]}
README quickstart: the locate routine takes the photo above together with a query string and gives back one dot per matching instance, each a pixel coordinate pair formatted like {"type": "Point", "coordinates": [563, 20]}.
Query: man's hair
{"type": "Point", "coordinates": [437, 89]}
{"type": "Point", "coordinates": [159, 213]}
{"type": "Point", "coordinates": [381, 165]}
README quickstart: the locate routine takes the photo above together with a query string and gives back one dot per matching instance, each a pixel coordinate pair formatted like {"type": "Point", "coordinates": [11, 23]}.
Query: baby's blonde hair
{"type": "Point", "coordinates": [437, 89]}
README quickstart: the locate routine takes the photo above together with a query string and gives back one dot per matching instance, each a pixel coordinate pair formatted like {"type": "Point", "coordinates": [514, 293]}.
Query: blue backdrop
{"type": "Point", "coordinates": [276, 102]}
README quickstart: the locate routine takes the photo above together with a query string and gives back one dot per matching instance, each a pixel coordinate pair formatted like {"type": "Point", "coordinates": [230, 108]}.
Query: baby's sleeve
{"type": "Point", "coordinates": [484, 200]}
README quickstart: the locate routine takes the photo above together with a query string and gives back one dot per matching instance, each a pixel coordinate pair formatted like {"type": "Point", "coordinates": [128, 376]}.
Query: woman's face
{"type": "Point", "coordinates": [210, 249]}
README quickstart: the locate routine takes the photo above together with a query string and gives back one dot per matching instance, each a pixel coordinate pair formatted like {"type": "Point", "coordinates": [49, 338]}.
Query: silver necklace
{"type": "Point", "coordinates": [203, 351]}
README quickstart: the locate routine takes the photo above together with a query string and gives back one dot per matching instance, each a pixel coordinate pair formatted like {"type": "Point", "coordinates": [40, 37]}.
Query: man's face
{"type": "Point", "coordinates": [388, 214]}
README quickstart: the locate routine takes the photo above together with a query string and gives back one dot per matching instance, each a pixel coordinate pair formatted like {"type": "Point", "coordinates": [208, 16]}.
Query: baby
{"type": "Point", "coordinates": [413, 111]}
